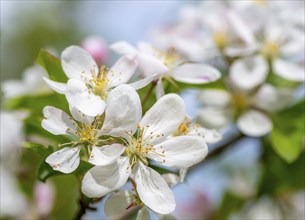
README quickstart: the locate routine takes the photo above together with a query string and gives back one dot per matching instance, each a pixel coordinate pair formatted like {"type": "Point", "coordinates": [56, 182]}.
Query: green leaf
{"type": "Point", "coordinates": [279, 177]}
{"type": "Point", "coordinates": [38, 148]}
{"type": "Point", "coordinates": [287, 137]}
{"type": "Point", "coordinates": [52, 65]}
{"type": "Point", "coordinates": [67, 195]}
{"type": "Point", "coordinates": [162, 170]}
{"type": "Point", "coordinates": [45, 171]}
{"type": "Point", "coordinates": [230, 203]}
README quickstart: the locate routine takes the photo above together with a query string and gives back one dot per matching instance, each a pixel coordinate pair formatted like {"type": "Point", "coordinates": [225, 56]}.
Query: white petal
{"type": "Point", "coordinates": [78, 96]}
{"type": "Point", "coordinates": [254, 123]}
{"type": "Point", "coordinates": [100, 180]}
{"type": "Point", "coordinates": [211, 117]}
{"type": "Point", "coordinates": [57, 122]}
{"type": "Point", "coordinates": [171, 179]}
{"type": "Point", "coordinates": [105, 155]}
{"type": "Point", "coordinates": [160, 89]}
{"type": "Point", "coordinates": [196, 73]}
{"type": "Point", "coordinates": [154, 191]}
{"type": "Point", "coordinates": [117, 202]}
{"type": "Point", "coordinates": [289, 70]}
{"type": "Point", "coordinates": [215, 97]}
{"type": "Point", "coordinates": [150, 65]}
{"type": "Point", "coordinates": [270, 98]}
{"type": "Point", "coordinates": [78, 63]}
{"type": "Point", "coordinates": [209, 135]}
{"type": "Point", "coordinates": [123, 48]}
{"type": "Point", "coordinates": [143, 214]}
{"type": "Point", "coordinates": [65, 160]}
{"type": "Point", "coordinates": [79, 116]}
{"type": "Point", "coordinates": [241, 50]}
{"type": "Point", "coordinates": [180, 152]}
{"type": "Point", "coordinates": [242, 29]}
{"type": "Point", "coordinates": [248, 73]}
{"type": "Point", "coordinates": [121, 71]}
{"type": "Point", "coordinates": [56, 86]}
{"type": "Point", "coordinates": [144, 82]}
{"type": "Point", "coordinates": [163, 118]}
{"type": "Point", "coordinates": [123, 111]}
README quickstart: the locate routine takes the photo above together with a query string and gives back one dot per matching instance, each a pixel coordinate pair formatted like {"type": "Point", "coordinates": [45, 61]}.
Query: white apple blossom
{"type": "Point", "coordinates": [30, 84]}
{"type": "Point", "coordinates": [149, 141]}
{"type": "Point", "coordinates": [122, 102]}
{"type": "Point", "coordinates": [168, 64]}
{"type": "Point", "coordinates": [96, 47]}
{"type": "Point", "coordinates": [88, 87]}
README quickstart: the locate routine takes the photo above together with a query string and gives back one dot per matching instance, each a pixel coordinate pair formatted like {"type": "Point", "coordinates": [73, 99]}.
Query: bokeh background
{"type": "Point", "coordinates": [222, 183]}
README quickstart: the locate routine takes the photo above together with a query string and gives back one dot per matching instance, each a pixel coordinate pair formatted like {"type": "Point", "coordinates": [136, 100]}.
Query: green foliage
{"type": "Point", "coordinates": [52, 65]}
{"type": "Point", "coordinates": [287, 136]}
{"type": "Point", "coordinates": [230, 203]}
{"type": "Point", "coordinates": [278, 177]}
{"type": "Point", "coordinates": [66, 197]}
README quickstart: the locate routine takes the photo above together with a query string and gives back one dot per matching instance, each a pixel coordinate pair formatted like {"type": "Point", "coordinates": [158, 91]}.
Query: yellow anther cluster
{"type": "Point", "coordinates": [87, 133]}
{"type": "Point", "coordinates": [270, 50]}
{"type": "Point", "coordinates": [137, 148]}
{"type": "Point", "coordinates": [240, 101]}
{"type": "Point", "coordinates": [171, 58]}
{"type": "Point", "coordinates": [220, 39]}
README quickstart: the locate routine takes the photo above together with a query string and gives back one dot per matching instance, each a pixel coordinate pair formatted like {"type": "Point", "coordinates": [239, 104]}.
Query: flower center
{"type": "Point", "coordinates": [138, 147]}
{"type": "Point", "coordinates": [270, 50]}
{"type": "Point", "coordinates": [86, 133]}
{"type": "Point", "coordinates": [183, 129]}
{"type": "Point", "coordinates": [98, 84]}
{"type": "Point", "coordinates": [260, 2]}
{"type": "Point", "coordinates": [220, 39]}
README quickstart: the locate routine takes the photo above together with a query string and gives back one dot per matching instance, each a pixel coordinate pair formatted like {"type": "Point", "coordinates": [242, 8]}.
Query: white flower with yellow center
{"type": "Point", "coordinates": [88, 87]}
{"type": "Point", "coordinates": [168, 64]}
{"type": "Point", "coordinates": [149, 141]}
{"type": "Point", "coordinates": [122, 103]}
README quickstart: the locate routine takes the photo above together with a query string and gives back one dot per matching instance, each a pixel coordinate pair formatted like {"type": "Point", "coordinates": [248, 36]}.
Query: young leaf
{"type": "Point", "coordinates": [287, 137]}
{"type": "Point", "coordinates": [52, 65]}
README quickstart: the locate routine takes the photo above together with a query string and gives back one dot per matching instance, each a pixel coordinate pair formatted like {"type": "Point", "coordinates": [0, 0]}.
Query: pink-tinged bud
{"type": "Point", "coordinates": [44, 197]}
{"type": "Point", "coordinates": [97, 47]}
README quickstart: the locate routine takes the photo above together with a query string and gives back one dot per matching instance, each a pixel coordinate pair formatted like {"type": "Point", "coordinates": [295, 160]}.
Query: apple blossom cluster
{"type": "Point", "coordinates": [107, 129]}
{"type": "Point", "coordinates": [128, 123]}
{"type": "Point", "coordinates": [258, 45]}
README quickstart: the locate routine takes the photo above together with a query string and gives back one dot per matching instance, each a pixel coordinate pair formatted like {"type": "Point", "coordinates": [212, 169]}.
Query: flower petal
{"type": "Point", "coordinates": [160, 89]}
{"type": "Point", "coordinates": [57, 122]}
{"type": "Point", "coordinates": [78, 63]}
{"type": "Point", "coordinates": [65, 160]}
{"type": "Point", "coordinates": [121, 71]}
{"type": "Point", "coordinates": [56, 86]}
{"type": "Point", "coordinates": [289, 70]}
{"type": "Point", "coordinates": [209, 135]}
{"type": "Point", "coordinates": [117, 202]}
{"type": "Point", "coordinates": [123, 112]}
{"type": "Point", "coordinates": [254, 123]}
{"type": "Point", "coordinates": [271, 99]}
{"type": "Point", "coordinates": [123, 48]}
{"type": "Point", "coordinates": [105, 155]}
{"type": "Point", "coordinates": [211, 117]}
{"type": "Point", "coordinates": [154, 191]}
{"type": "Point", "coordinates": [79, 96]}
{"type": "Point", "coordinates": [196, 73]}
{"type": "Point", "coordinates": [79, 116]}
{"type": "Point", "coordinates": [144, 82]}
{"type": "Point", "coordinates": [100, 180]}
{"type": "Point", "coordinates": [214, 97]}
{"type": "Point", "coordinates": [180, 152]}
{"type": "Point", "coordinates": [163, 118]}
{"type": "Point", "coordinates": [150, 65]}
{"type": "Point", "coordinates": [248, 73]}
{"type": "Point", "coordinates": [143, 214]}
